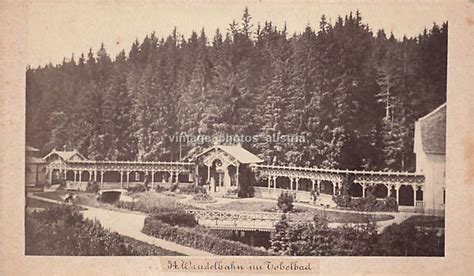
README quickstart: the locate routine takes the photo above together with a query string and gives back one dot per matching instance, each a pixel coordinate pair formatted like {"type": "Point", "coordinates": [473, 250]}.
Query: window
{"type": "Point", "coordinates": [444, 196]}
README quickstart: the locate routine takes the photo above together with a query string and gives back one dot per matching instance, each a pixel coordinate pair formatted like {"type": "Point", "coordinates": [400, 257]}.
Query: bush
{"type": "Point", "coordinates": [64, 231]}
{"type": "Point", "coordinates": [92, 187]}
{"type": "Point", "coordinates": [368, 204]}
{"type": "Point", "coordinates": [159, 188]}
{"type": "Point", "coordinates": [285, 202]}
{"type": "Point", "coordinates": [139, 188]}
{"type": "Point", "coordinates": [180, 218]}
{"type": "Point", "coordinates": [193, 189]}
{"type": "Point", "coordinates": [406, 239]}
{"type": "Point", "coordinates": [194, 238]}
{"type": "Point", "coordinates": [203, 198]}
{"type": "Point", "coordinates": [317, 239]}
{"type": "Point", "coordinates": [173, 187]}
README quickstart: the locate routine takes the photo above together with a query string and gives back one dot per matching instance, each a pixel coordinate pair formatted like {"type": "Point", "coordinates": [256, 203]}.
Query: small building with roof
{"type": "Point", "coordinates": [430, 150]}
{"type": "Point", "coordinates": [57, 158]}
{"type": "Point", "coordinates": [221, 167]}
{"type": "Point", "coordinates": [35, 167]}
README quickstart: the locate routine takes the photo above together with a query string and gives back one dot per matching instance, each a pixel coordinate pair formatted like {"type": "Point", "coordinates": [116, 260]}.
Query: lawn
{"type": "Point", "coordinates": [144, 202]}
{"type": "Point", "coordinates": [426, 221]}
{"type": "Point", "coordinates": [38, 204]}
{"type": "Point", "coordinates": [300, 213]}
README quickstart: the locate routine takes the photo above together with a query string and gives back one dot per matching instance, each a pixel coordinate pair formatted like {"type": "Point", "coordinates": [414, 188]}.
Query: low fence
{"type": "Point", "coordinates": [262, 221]}
{"type": "Point", "coordinates": [76, 185]}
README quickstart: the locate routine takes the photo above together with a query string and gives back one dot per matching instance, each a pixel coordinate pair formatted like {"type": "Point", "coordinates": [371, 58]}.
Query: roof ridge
{"type": "Point", "coordinates": [432, 112]}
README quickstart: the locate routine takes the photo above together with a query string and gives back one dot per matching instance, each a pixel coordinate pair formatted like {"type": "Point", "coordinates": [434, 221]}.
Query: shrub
{"type": "Point", "coordinates": [64, 231]}
{"type": "Point", "coordinates": [285, 202]}
{"type": "Point", "coordinates": [203, 198]}
{"type": "Point", "coordinates": [139, 188]}
{"type": "Point", "coordinates": [368, 204]}
{"type": "Point", "coordinates": [92, 187]}
{"type": "Point", "coordinates": [179, 217]}
{"type": "Point", "coordinates": [193, 189]}
{"type": "Point", "coordinates": [173, 187]}
{"type": "Point", "coordinates": [194, 238]}
{"type": "Point", "coordinates": [159, 188]}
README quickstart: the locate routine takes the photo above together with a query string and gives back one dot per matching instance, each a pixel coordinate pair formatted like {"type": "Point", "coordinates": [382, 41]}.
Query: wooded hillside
{"type": "Point", "coordinates": [353, 94]}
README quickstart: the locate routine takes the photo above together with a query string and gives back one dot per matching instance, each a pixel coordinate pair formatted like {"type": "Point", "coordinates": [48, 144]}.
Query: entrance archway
{"type": "Point", "coordinates": [380, 191]}
{"type": "Point", "coordinates": [326, 187]}
{"type": "Point", "coordinates": [405, 197]}
{"type": "Point", "coordinates": [283, 182]}
{"type": "Point", "coordinates": [355, 190]}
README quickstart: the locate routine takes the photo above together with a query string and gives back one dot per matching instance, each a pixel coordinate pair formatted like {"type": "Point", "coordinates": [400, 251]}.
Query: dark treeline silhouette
{"type": "Point", "coordinates": [353, 94]}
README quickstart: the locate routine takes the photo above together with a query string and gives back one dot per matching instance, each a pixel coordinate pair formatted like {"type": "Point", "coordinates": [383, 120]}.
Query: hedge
{"type": "Point", "coordinates": [193, 237]}
{"type": "Point", "coordinates": [368, 204]}
{"type": "Point", "coordinates": [178, 217]}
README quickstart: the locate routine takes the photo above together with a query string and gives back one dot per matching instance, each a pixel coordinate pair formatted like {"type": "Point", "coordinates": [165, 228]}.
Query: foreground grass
{"type": "Point", "coordinates": [144, 202]}
{"type": "Point", "coordinates": [300, 213]}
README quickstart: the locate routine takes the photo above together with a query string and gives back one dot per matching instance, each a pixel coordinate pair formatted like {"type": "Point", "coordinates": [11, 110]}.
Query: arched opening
{"type": "Point", "coordinates": [262, 181]}
{"type": "Point", "coordinates": [70, 176]}
{"type": "Point", "coordinates": [232, 171]}
{"type": "Point", "coordinates": [380, 191]}
{"type": "Point", "coordinates": [165, 177]}
{"type": "Point", "coordinates": [405, 197]}
{"type": "Point", "coordinates": [326, 187]}
{"type": "Point", "coordinates": [283, 182]}
{"type": "Point", "coordinates": [183, 177]}
{"type": "Point", "coordinates": [355, 190]}
{"type": "Point", "coordinates": [419, 194]}
{"type": "Point", "coordinates": [85, 176]}
{"type": "Point", "coordinates": [305, 185]}
{"type": "Point", "coordinates": [136, 176]}
{"type": "Point", "coordinates": [111, 176]}
{"type": "Point", "coordinates": [201, 178]}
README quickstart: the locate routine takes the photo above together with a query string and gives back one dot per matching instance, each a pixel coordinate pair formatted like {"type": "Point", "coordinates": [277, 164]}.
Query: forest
{"type": "Point", "coordinates": [354, 93]}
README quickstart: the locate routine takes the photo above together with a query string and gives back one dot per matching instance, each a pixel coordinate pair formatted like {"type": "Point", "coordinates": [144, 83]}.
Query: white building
{"type": "Point", "coordinates": [430, 150]}
{"type": "Point", "coordinates": [35, 168]}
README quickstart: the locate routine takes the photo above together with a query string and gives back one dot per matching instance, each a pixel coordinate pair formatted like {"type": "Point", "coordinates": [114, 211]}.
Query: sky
{"type": "Point", "coordinates": [59, 29]}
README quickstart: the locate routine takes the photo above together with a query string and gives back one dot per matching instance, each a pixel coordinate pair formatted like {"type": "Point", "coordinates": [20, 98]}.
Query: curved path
{"type": "Point", "coordinates": [130, 225]}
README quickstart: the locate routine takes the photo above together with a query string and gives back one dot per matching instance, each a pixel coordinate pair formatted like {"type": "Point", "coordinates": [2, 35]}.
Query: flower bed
{"type": "Point", "coordinates": [195, 238]}
{"type": "Point", "coordinates": [179, 217]}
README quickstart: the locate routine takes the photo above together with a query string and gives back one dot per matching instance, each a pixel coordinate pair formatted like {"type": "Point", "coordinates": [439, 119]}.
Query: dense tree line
{"type": "Point", "coordinates": [354, 95]}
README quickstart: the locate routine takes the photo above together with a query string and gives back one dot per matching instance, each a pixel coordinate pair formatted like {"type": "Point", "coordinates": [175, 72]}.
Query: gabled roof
{"type": "Point", "coordinates": [65, 155]}
{"type": "Point", "coordinates": [433, 131]}
{"type": "Point", "coordinates": [240, 154]}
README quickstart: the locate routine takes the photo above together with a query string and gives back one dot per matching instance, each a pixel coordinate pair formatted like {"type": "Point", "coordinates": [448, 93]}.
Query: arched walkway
{"type": "Point", "coordinates": [355, 190]}
{"type": "Point", "coordinates": [283, 182]}
{"type": "Point", "coordinates": [111, 176]}
{"type": "Point", "coordinates": [380, 191]}
{"type": "Point", "coordinates": [305, 185]}
{"type": "Point", "coordinates": [85, 176]}
{"type": "Point", "coordinates": [405, 197]}
{"type": "Point", "coordinates": [327, 187]}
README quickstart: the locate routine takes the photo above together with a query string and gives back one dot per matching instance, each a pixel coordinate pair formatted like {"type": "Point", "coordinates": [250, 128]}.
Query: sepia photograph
{"type": "Point", "coordinates": [235, 129]}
